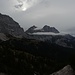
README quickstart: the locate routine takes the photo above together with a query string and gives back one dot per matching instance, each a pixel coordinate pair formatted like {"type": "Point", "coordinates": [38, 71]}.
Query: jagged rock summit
{"type": "Point", "coordinates": [50, 29]}
{"type": "Point", "coordinates": [46, 28]}
{"type": "Point", "coordinates": [51, 35]}
{"type": "Point", "coordinates": [9, 26]}
{"type": "Point", "coordinates": [31, 29]}
{"type": "Point", "coordinates": [67, 70]}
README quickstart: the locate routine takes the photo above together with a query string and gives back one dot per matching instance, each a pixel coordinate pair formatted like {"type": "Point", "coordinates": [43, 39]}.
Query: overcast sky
{"type": "Point", "coordinates": [57, 13]}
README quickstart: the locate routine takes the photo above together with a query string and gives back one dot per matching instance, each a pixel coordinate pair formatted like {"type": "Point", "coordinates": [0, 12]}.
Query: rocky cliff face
{"type": "Point", "coordinates": [67, 70]}
{"type": "Point", "coordinates": [31, 29]}
{"type": "Point", "coordinates": [65, 40]}
{"type": "Point", "coordinates": [51, 35]}
{"type": "Point", "coordinates": [50, 29]}
{"type": "Point", "coordinates": [9, 26]}
{"type": "Point", "coordinates": [44, 29]}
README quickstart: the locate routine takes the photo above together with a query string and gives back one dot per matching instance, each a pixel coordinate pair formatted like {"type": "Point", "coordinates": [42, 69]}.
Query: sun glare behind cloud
{"type": "Point", "coordinates": [24, 9]}
{"type": "Point", "coordinates": [23, 5]}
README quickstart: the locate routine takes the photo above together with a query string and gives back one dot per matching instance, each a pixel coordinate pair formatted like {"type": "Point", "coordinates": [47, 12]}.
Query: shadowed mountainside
{"type": "Point", "coordinates": [9, 26]}
{"type": "Point", "coordinates": [24, 56]}
{"type": "Point", "coordinates": [44, 29]}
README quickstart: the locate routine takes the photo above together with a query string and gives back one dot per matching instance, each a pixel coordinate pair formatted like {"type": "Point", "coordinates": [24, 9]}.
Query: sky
{"type": "Point", "coordinates": [55, 13]}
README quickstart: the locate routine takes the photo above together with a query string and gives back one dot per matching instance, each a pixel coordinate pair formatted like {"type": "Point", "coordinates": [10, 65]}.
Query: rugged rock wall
{"type": "Point", "coordinates": [9, 26]}
{"type": "Point", "coordinates": [44, 29]}
{"type": "Point", "coordinates": [67, 70]}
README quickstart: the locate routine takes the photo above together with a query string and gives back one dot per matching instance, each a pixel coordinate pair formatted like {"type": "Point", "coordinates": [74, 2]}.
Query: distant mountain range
{"type": "Point", "coordinates": [50, 34]}
{"type": "Point", "coordinates": [35, 51]}
{"type": "Point", "coordinates": [46, 28]}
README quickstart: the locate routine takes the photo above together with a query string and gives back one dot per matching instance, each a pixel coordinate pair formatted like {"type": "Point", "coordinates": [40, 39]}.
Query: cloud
{"type": "Point", "coordinates": [25, 4]}
{"type": "Point", "coordinates": [57, 13]}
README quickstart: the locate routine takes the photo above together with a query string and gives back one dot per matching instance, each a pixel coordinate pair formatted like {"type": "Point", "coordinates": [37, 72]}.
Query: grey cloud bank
{"type": "Point", "coordinates": [57, 13]}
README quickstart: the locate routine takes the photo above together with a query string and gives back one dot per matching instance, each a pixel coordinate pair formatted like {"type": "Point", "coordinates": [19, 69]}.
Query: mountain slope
{"type": "Point", "coordinates": [9, 26]}
{"type": "Point", "coordinates": [44, 29]}
{"type": "Point", "coordinates": [29, 57]}
{"type": "Point", "coordinates": [65, 40]}
{"type": "Point", "coordinates": [67, 70]}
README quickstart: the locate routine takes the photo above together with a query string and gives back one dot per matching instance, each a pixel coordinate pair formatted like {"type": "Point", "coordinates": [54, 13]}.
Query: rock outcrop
{"type": "Point", "coordinates": [50, 29]}
{"type": "Point", "coordinates": [3, 37]}
{"type": "Point", "coordinates": [44, 29]}
{"type": "Point", "coordinates": [31, 29]}
{"type": "Point", "coordinates": [67, 70]}
{"type": "Point", "coordinates": [65, 40]}
{"type": "Point", "coordinates": [9, 26]}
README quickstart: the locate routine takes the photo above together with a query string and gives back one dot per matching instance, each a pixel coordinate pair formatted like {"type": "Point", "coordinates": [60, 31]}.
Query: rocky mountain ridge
{"type": "Point", "coordinates": [63, 40]}
{"type": "Point", "coordinates": [26, 56]}
{"type": "Point", "coordinates": [52, 35]}
{"type": "Point", "coordinates": [9, 26]}
{"type": "Point", "coordinates": [46, 28]}
{"type": "Point", "coordinates": [30, 57]}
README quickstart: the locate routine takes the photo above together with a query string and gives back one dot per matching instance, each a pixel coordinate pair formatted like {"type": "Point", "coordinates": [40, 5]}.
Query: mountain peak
{"type": "Point", "coordinates": [46, 28]}
{"type": "Point", "coordinates": [9, 26]}
{"type": "Point", "coordinates": [33, 27]}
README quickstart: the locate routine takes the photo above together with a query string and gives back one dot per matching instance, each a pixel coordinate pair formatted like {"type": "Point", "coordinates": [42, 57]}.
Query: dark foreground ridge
{"type": "Point", "coordinates": [67, 70]}
{"type": "Point", "coordinates": [30, 57]}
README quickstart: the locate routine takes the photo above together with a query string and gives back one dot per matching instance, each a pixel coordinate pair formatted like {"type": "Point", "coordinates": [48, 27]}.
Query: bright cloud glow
{"type": "Point", "coordinates": [24, 9]}
{"type": "Point", "coordinates": [23, 5]}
